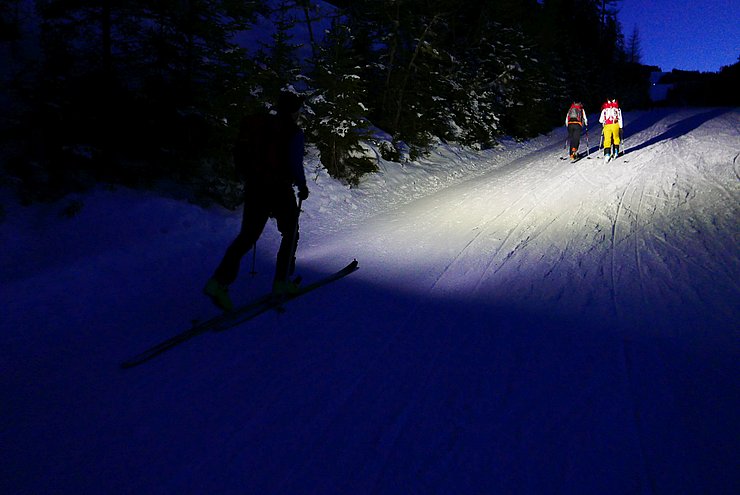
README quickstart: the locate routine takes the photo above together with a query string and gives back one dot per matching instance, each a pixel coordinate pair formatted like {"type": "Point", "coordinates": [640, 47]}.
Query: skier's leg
{"type": "Point", "coordinates": [607, 140]}
{"type": "Point", "coordinates": [576, 143]}
{"type": "Point", "coordinates": [286, 215]}
{"type": "Point", "coordinates": [617, 140]}
{"type": "Point", "coordinates": [253, 223]}
{"type": "Point", "coordinates": [573, 139]}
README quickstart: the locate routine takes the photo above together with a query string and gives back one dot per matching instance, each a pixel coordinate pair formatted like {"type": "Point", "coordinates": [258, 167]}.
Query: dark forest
{"type": "Point", "coordinates": [139, 92]}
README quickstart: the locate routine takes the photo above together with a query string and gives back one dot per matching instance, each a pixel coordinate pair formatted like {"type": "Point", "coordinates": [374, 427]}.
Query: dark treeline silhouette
{"type": "Point", "coordinates": [704, 88]}
{"type": "Point", "coordinates": [134, 92]}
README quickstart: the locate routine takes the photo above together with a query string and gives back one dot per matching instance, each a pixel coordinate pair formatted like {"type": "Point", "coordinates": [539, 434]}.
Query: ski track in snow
{"type": "Point", "coordinates": [518, 325]}
{"type": "Point", "coordinates": [636, 194]}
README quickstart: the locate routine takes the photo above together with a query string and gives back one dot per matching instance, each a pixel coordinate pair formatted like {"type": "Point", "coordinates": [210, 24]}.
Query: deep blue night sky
{"type": "Point", "coordinates": [703, 35]}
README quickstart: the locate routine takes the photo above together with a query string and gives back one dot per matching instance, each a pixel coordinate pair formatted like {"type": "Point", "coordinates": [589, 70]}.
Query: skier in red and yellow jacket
{"type": "Point", "coordinates": [611, 118]}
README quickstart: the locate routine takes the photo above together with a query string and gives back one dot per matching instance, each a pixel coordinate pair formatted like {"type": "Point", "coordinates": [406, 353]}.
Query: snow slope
{"type": "Point", "coordinates": [519, 324]}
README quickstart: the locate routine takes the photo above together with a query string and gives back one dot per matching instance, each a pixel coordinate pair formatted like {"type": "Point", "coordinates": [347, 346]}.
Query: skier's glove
{"type": "Point", "coordinates": [302, 192]}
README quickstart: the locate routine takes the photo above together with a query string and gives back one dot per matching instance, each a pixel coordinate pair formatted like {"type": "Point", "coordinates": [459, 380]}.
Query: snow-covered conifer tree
{"type": "Point", "coordinates": [339, 121]}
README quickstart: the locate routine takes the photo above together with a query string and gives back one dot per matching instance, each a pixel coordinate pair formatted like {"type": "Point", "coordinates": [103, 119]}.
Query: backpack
{"type": "Point", "coordinates": [575, 113]}
{"type": "Point", "coordinates": [260, 150]}
{"type": "Point", "coordinates": [611, 112]}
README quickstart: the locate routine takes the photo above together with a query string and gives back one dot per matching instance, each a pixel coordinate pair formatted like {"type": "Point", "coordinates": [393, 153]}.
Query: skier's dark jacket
{"type": "Point", "coordinates": [269, 152]}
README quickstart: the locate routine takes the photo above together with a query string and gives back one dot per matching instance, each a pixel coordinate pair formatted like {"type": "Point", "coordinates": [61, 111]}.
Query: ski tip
{"type": "Point", "coordinates": [354, 264]}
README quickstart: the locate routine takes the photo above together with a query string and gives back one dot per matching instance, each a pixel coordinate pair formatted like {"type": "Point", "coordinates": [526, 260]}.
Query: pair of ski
{"type": "Point", "coordinates": [236, 316]}
{"type": "Point", "coordinates": [578, 157]}
{"type": "Point", "coordinates": [612, 158]}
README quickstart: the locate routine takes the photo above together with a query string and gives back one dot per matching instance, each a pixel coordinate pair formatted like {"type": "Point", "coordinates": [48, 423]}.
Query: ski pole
{"type": "Point", "coordinates": [588, 147]}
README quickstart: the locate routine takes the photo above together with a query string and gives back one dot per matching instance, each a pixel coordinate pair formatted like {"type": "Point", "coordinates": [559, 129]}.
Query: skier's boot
{"type": "Point", "coordinates": [219, 294]}
{"type": "Point", "coordinates": [607, 155]}
{"type": "Point", "coordinates": [616, 151]}
{"type": "Point", "coordinates": [573, 154]}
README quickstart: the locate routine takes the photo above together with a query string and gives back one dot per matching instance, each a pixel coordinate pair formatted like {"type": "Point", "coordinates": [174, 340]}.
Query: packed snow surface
{"type": "Point", "coordinates": [518, 324]}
